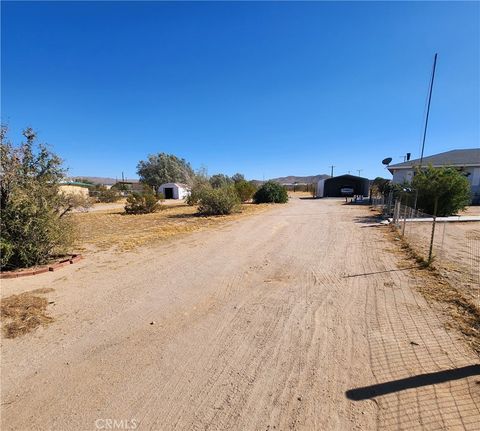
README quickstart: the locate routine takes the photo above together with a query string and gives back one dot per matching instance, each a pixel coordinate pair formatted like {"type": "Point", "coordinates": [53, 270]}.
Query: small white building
{"type": "Point", "coordinates": [174, 190]}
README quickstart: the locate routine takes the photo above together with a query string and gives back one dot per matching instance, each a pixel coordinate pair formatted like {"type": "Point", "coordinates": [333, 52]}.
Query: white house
{"type": "Point", "coordinates": [467, 161]}
{"type": "Point", "coordinates": [174, 190]}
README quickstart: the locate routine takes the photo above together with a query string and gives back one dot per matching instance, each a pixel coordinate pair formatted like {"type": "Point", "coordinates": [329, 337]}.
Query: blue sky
{"type": "Point", "coordinates": [267, 89]}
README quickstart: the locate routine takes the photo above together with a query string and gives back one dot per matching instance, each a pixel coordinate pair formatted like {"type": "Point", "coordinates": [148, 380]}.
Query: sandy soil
{"type": "Point", "coordinates": [120, 205]}
{"type": "Point", "coordinates": [113, 229]}
{"type": "Point", "coordinates": [275, 321]}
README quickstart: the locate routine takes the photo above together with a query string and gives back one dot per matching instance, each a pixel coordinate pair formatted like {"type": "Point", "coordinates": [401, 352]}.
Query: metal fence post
{"type": "Point", "coordinates": [404, 220]}
{"type": "Point", "coordinates": [430, 252]}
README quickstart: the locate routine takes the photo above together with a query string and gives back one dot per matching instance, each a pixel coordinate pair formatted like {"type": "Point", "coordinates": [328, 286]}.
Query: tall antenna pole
{"type": "Point", "coordinates": [331, 172]}
{"type": "Point", "coordinates": [428, 107]}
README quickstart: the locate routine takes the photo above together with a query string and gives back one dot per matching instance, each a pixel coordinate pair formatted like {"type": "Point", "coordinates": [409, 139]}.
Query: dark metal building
{"type": "Point", "coordinates": [332, 187]}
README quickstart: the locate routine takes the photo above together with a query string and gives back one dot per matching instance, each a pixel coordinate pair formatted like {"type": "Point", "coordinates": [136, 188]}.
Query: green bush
{"type": "Point", "coordinates": [271, 192]}
{"type": "Point", "coordinates": [142, 203]}
{"type": "Point", "coordinates": [245, 190]}
{"type": "Point", "coordinates": [218, 201]}
{"type": "Point", "coordinates": [34, 222]}
{"type": "Point", "coordinates": [448, 186]}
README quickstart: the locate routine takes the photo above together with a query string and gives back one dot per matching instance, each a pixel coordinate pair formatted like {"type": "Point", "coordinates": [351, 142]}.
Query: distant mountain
{"type": "Point", "coordinates": [102, 180]}
{"type": "Point", "coordinates": [313, 179]}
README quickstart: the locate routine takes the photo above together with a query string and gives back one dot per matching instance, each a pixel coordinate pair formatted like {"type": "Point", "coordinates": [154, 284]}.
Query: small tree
{"type": "Point", "coordinates": [164, 168]}
{"type": "Point", "coordinates": [271, 192]}
{"type": "Point", "coordinates": [238, 177]}
{"type": "Point", "coordinates": [219, 201]}
{"type": "Point", "coordinates": [449, 187]}
{"type": "Point", "coordinates": [34, 226]}
{"type": "Point", "coordinates": [143, 203]}
{"type": "Point", "coordinates": [381, 186]}
{"type": "Point", "coordinates": [218, 181]}
{"type": "Point", "coordinates": [245, 190]}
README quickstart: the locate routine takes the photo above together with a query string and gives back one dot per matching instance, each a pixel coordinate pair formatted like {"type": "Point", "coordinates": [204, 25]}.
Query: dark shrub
{"type": "Point", "coordinates": [271, 192]}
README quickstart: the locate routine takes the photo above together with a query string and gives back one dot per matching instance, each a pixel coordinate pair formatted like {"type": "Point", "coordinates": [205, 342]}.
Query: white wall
{"type": "Point", "coordinates": [320, 187]}
{"type": "Point", "coordinates": [402, 175]}
{"type": "Point", "coordinates": [178, 192]}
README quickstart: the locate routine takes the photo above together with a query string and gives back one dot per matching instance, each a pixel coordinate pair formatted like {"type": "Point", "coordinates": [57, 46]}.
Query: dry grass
{"type": "Point", "coordinates": [114, 229]}
{"type": "Point", "coordinates": [24, 312]}
{"type": "Point", "coordinates": [459, 305]}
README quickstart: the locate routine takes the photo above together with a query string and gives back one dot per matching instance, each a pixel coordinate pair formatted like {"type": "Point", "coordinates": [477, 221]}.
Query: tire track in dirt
{"type": "Point", "coordinates": [267, 325]}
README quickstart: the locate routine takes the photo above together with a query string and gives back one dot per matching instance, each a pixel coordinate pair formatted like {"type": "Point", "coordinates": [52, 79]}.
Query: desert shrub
{"type": "Point", "coordinates": [104, 194]}
{"type": "Point", "coordinates": [142, 203]}
{"type": "Point", "coordinates": [34, 222]}
{"type": "Point", "coordinates": [447, 185]}
{"type": "Point", "coordinates": [271, 192]}
{"type": "Point", "coordinates": [245, 190]}
{"type": "Point", "coordinates": [218, 201]}
{"type": "Point", "coordinates": [199, 184]}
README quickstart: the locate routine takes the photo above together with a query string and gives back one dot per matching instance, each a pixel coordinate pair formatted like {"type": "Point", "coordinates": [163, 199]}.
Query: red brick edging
{"type": "Point", "coordinates": [53, 267]}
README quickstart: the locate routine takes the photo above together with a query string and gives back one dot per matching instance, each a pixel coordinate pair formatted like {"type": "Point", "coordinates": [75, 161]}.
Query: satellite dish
{"type": "Point", "coordinates": [387, 161]}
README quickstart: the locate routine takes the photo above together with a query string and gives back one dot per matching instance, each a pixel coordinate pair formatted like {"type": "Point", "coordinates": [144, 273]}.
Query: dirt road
{"type": "Point", "coordinates": [276, 321]}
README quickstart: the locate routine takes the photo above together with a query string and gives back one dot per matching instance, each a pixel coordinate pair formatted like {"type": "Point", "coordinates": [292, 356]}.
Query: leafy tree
{"type": "Point", "coordinates": [164, 168]}
{"type": "Point", "coordinates": [271, 192]}
{"type": "Point", "coordinates": [449, 187]}
{"type": "Point", "coordinates": [220, 180]}
{"type": "Point", "coordinates": [238, 177]}
{"type": "Point", "coordinates": [219, 201]}
{"type": "Point", "coordinates": [34, 225]}
{"type": "Point", "coordinates": [245, 190]}
{"type": "Point", "coordinates": [382, 186]}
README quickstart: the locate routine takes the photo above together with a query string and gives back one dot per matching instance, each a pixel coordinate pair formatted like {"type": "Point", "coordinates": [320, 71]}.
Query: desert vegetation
{"type": "Point", "coordinates": [271, 192]}
{"type": "Point", "coordinates": [164, 168]}
{"type": "Point", "coordinates": [35, 221]}
{"type": "Point", "coordinates": [143, 203]}
{"type": "Point", "coordinates": [441, 191]}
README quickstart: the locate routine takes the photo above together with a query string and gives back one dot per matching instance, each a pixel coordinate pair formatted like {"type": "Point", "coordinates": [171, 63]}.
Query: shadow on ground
{"type": "Point", "coordinates": [368, 392]}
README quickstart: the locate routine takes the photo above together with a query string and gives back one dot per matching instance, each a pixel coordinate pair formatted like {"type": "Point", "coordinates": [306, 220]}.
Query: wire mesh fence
{"type": "Point", "coordinates": [453, 246]}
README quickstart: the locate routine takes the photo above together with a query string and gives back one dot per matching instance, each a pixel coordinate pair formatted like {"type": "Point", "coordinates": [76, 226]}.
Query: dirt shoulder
{"type": "Point", "coordinates": [295, 318]}
{"type": "Point", "coordinates": [113, 229]}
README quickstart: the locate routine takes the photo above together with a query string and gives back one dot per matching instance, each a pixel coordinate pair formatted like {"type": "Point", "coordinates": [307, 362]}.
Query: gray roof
{"type": "Point", "coordinates": [466, 157]}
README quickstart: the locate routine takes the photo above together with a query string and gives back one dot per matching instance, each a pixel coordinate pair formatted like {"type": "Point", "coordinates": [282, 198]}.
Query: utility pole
{"type": "Point", "coordinates": [331, 171]}
{"type": "Point", "coordinates": [359, 170]}
{"type": "Point", "coordinates": [430, 90]}
{"type": "Point", "coordinates": [428, 107]}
